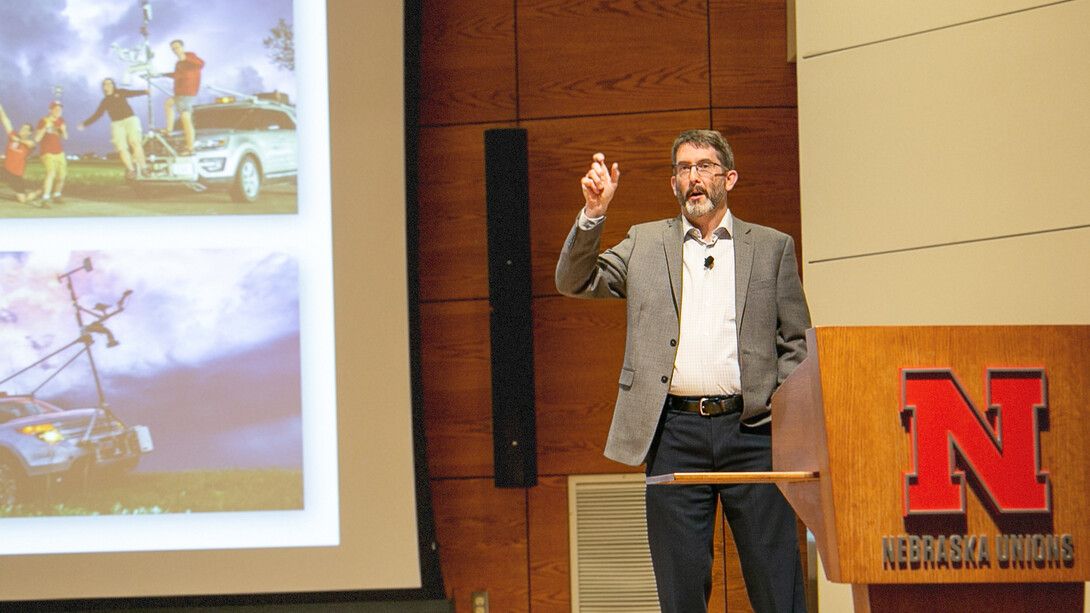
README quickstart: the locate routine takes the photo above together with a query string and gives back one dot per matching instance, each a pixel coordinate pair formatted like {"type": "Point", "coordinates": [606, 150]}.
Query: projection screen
{"type": "Point", "coordinates": [206, 380]}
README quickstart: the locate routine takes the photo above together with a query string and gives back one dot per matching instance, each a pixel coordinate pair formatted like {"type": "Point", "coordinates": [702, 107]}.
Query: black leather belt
{"type": "Point", "coordinates": [709, 406]}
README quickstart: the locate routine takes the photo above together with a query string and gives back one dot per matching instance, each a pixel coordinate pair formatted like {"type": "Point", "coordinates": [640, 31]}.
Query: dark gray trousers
{"type": "Point", "coordinates": [681, 518]}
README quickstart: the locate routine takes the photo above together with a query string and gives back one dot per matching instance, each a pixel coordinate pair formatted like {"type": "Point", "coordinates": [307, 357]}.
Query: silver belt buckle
{"type": "Point", "coordinates": [702, 410]}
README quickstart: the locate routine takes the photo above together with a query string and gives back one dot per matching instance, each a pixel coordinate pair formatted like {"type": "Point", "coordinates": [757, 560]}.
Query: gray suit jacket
{"type": "Point", "coordinates": [645, 269]}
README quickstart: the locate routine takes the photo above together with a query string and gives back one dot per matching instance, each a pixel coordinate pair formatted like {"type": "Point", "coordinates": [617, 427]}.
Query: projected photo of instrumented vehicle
{"type": "Point", "coordinates": [41, 441]}
{"type": "Point", "coordinates": [187, 407]}
{"type": "Point", "coordinates": [167, 368]}
{"type": "Point", "coordinates": [241, 146]}
{"type": "Point", "coordinates": [131, 385]}
{"type": "Point", "coordinates": [148, 108]}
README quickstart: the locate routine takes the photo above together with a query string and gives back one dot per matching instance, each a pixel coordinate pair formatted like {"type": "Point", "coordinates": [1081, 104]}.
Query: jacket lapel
{"type": "Point", "coordinates": [743, 264]}
{"type": "Point", "coordinates": [672, 235]}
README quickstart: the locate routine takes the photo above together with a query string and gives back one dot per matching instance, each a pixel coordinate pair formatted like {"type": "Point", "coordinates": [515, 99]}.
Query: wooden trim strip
{"type": "Point", "coordinates": [785, 476]}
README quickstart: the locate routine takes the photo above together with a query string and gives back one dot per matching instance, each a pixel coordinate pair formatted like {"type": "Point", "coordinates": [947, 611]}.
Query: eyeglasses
{"type": "Point", "coordinates": [704, 169]}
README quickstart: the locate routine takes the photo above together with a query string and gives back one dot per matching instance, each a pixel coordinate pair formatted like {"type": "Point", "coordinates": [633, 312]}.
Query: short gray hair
{"type": "Point", "coordinates": [705, 138]}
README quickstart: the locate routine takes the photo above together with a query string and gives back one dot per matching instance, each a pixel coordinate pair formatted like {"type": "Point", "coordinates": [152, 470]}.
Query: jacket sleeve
{"type": "Point", "coordinates": [793, 316]}
{"type": "Point", "coordinates": [582, 272]}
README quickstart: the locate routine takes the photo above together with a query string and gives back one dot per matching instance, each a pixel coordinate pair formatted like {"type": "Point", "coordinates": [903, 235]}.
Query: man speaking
{"type": "Point", "coordinates": [716, 320]}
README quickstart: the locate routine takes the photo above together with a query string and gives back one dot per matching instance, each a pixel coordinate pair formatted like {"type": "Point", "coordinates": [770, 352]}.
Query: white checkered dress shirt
{"type": "Point", "coordinates": [707, 352]}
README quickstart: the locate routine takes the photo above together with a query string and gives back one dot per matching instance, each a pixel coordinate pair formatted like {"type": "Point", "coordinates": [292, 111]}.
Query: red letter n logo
{"type": "Point", "coordinates": [950, 437]}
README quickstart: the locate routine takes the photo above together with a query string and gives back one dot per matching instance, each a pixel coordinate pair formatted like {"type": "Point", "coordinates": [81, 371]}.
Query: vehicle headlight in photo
{"type": "Point", "coordinates": [45, 432]}
{"type": "Point", "coordinates": [210, 144]}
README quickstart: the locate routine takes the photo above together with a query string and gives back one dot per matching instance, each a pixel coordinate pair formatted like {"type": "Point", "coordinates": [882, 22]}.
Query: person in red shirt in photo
{"type": "Point", "coordinates": [51, 129]}
{"type": "Point", "coordinates": [187, 82]}
{"type": "Point", "coordinates": [20, 144]}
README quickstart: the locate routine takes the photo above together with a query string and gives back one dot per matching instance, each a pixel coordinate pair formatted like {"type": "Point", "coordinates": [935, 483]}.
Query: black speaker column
{"type": "Point", "coordinates": [507, 190]}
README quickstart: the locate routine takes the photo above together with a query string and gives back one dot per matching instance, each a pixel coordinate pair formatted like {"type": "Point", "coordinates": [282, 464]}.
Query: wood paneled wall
{"type": "Point", "coordinates": [619, 76]}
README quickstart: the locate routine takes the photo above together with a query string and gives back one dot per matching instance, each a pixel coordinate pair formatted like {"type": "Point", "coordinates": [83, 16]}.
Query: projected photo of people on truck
{"type": "Point", "coordinates": [161, 109]}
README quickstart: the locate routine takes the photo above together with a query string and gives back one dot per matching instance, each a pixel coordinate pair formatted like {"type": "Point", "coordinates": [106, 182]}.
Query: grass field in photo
{"type": "Point", "coordinates": [93, 173]}
{"type": "Point", "coordinates": [198, 491]}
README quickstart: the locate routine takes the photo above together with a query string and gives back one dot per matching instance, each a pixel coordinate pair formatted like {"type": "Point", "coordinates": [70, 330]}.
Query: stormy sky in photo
{"type": "Point", "coordinates": [207, 354]}
{"type": "Point", "coordinates": [69, 44]}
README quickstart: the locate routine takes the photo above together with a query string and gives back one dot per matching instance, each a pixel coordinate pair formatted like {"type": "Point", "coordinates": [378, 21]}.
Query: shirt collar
{"type": "Point", "coordinates": [725, 229]}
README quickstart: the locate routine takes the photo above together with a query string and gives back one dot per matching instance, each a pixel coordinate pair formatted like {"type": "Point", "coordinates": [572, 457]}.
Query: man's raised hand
{"type": "Point", "coordinates": [599, 185]}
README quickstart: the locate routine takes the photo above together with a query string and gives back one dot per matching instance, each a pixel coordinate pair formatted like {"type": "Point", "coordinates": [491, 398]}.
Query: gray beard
{"type": "Point", "coordinates": [698, 210]}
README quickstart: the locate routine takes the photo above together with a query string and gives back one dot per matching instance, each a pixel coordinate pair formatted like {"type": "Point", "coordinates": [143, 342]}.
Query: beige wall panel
{"type": "Point", "coordinates": [1038, 279]}
{"type": "Point", "coordinates": [959, 134]}
{"type": "Point", "coordinates": [830, 25]}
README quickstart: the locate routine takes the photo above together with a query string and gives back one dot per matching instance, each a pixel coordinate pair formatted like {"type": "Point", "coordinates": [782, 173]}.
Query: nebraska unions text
{"type": "Point", "coordinates": [909, 552]}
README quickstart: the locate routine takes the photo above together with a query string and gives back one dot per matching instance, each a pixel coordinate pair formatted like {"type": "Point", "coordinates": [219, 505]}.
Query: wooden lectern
{"type": "Point", "coordinates": [940, 468]}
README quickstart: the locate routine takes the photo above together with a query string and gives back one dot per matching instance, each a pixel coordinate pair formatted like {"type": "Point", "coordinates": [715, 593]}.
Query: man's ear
{"type": "Point", "coordinates": [732, 179]}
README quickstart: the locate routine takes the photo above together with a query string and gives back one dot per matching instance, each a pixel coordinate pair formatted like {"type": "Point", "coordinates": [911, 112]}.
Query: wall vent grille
{"type": "Point", "coordinates": [610, 561]}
